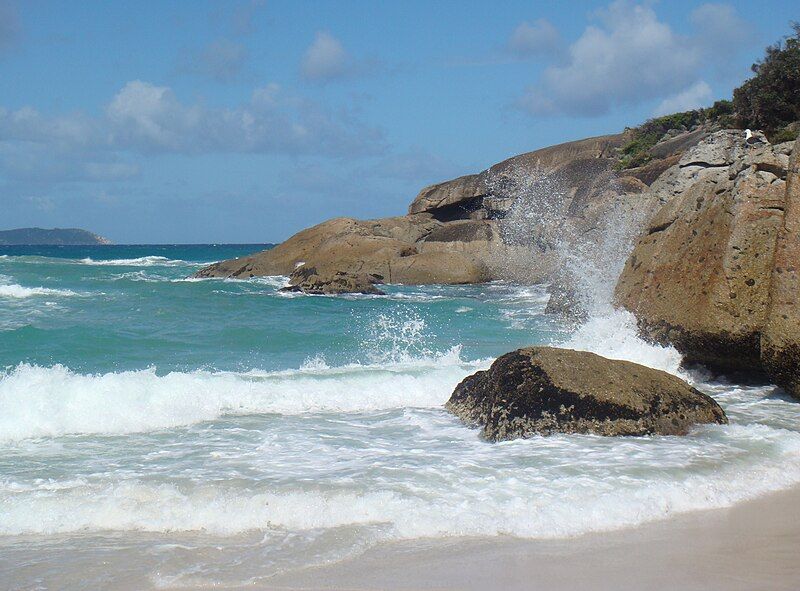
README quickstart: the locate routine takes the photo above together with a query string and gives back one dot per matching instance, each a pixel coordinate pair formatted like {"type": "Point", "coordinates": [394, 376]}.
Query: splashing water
{"type": "Point", "coordinates": [396, 337]}
{"type": "Point", "coordinates": [589, 231]}
{"type": "Point", "coordinates": [590, 234]}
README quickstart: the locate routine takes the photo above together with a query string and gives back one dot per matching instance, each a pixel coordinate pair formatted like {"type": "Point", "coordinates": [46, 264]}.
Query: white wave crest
{"type": "Point", "coordinates": [51, 401]}
{"type": "Point", "coordinates": [19, 292]}
{"type": "Point", "coordinates": [147, 261]}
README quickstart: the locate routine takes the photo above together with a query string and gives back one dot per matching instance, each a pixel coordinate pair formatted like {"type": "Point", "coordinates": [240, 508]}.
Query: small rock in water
{"type": "Point", "coordinates": [309, 280]}
{"type": "Point", "coordinates": [545, 390]}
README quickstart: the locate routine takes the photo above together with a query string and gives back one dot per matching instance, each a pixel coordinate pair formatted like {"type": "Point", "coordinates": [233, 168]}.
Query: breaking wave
{"type": "Point", "coordinates": [19, 292]}
{"type": "Point", "coordinates": [51, 401]}
{"type": "Point", "coordinates": [147, 261]}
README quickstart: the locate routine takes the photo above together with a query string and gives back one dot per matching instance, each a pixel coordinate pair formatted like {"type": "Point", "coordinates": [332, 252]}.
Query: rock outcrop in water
{"type": "Point", "coordinates": [409, 249]}
{"type": "Point", "coordinates": [308, 280]}
{"type": "Point", "coordinates": [544, 390]}
{"type": "Point", "coordinates": [466, 230]}
{"type": "Point", "coordinates": [715, 272]}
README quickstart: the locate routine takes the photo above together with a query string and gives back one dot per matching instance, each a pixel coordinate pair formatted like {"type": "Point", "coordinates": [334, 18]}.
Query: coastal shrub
{"type": "Point", "coordinates": [722, 113]}
{"type": "Point", "coordinates": [785, 134]}
{"type": "Point", "coordinates": [637, 151]}
{"type": "Point", "coordinates": [770, 100]}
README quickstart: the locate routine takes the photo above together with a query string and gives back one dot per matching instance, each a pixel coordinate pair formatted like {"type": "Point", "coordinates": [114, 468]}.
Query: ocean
{"type": "Point", "coordinates": [160, 432]}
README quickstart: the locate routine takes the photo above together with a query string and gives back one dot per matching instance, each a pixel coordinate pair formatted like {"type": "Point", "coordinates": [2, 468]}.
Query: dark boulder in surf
{"type": "Point", "coordinates": [310, 281]}
{"type": "Point", "coordinates": [545, 390]}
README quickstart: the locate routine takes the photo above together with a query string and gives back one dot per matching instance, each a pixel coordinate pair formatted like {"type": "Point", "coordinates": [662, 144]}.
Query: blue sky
{"type": "Point", "coordinates": [247, 121]}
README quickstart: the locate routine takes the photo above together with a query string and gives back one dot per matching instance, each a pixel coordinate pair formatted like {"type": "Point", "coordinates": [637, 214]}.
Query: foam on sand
{"type": "Point", "coordinates": [549, 504]}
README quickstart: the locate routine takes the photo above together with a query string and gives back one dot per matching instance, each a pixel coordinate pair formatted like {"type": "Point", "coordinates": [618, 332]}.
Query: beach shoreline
{"type": "Point", "coordinates": [751, 545]}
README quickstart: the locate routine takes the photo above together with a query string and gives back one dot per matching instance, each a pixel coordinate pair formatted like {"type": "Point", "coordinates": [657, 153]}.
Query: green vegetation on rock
{"type": "Point", "coordinates": [770, 100]}
{"type": "Point", "coordinates": [637, 151]}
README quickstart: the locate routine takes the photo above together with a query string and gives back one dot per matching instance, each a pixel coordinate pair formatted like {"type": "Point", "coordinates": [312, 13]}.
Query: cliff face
{"type": "Point", "coordinates": [780, 337]}
{"type": "Point", "coordinates": [460, 231]}
{"type": "Point", "coordinates": [56, 236]}
{"type": "Point", "coordinates": [714, 272]}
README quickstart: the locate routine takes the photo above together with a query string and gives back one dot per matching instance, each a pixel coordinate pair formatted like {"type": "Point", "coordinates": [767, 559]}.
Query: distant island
{"type": "Point", "coordinates": [54, 236]}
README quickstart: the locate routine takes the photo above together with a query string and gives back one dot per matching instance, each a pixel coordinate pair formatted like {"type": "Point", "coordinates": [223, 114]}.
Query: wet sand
{"type": "Point", "coordinates": [751, 546]}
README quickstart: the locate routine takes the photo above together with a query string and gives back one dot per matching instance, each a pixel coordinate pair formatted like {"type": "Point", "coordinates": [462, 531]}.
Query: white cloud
{"type": "Point", "coordinates": [143, 118]}
{"type": "Point", "coordinates": [539, 38]}
{"type": "Point", "coordinates": [720, 28]}
{"type": "Point", "coordinates": [629, 56]}
{"type": "Point", "coordinates": [325, 59]}
{"type": "Point", "coordinates": [27, 124]}
{"type": "Point", "coordinates": [151, 118]}
{"type": "Point", "coordinates": [695, 96]}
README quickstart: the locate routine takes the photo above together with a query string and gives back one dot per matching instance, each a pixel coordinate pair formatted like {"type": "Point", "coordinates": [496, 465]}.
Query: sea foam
{"type": "Point", "coordinates": [19, 292]}
{"type": "Point", "coordinates": [615, 335]}
{"type": "Point", "coordinates": [51, 401]}
{"type": "Point", "coordinates": [147, 261]}
{"type": "Point", "coordinates": [533, 503]}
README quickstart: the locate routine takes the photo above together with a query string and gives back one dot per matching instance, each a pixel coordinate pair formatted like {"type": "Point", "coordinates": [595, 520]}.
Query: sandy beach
{"type": "Point", "coordinates": [753, 545]}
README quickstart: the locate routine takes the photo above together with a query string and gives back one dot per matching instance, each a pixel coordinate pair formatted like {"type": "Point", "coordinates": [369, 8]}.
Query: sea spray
{"type": "Point", "coordinates": [547, 217]}
{"type": "Point", "coordinates": [396, 337]}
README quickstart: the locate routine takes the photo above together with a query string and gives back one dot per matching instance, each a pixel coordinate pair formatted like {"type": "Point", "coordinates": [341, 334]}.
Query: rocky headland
{"type": "Point", "coordinates": [690, 221]}
{"type": "Point", "coordinates": [477, 228]}
{"type": "Point", "coordinates": [54, 236]}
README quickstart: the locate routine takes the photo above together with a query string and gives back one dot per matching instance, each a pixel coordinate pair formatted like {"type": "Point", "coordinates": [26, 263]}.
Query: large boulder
{"type": "Point", "coordinates": [704, 274]}
{"type": "Point", "coordinates": [544, 390]}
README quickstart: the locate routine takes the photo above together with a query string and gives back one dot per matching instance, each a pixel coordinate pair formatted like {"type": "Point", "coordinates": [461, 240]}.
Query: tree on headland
{"type": "Point", "coordinates": [770, 100]}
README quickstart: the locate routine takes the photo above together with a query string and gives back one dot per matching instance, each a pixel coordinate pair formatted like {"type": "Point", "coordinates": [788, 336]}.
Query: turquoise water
{"type": "Point", "coordinates": [131, 307]}
{"type": "Point", "coordinates": [158, 431]}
